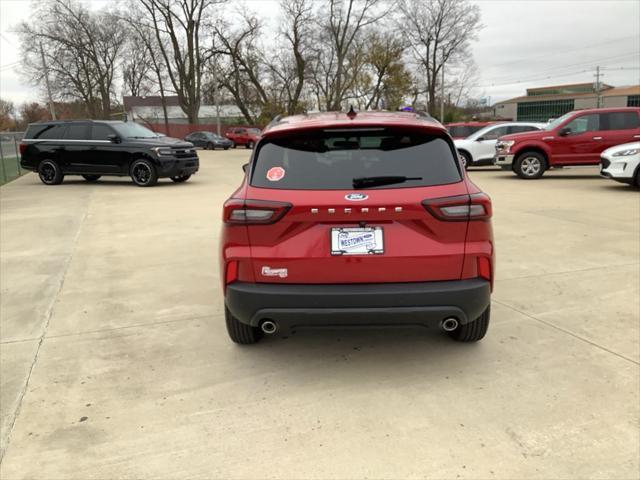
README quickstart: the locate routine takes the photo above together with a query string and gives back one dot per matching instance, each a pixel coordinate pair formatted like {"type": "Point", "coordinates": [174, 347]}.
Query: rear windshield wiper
{"type": "Point", "coordinates": [367, 182]}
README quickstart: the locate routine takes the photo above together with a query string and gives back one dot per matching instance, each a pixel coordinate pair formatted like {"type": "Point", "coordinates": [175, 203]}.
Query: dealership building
{"type": "Point", "coordinates": [541, 104]}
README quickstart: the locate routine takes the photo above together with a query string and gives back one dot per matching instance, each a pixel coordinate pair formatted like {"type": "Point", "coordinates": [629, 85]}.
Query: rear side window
{"type": "Point", "coordinates": [621, 120]}
{"type": "Point", "coordinates": [100, 132]}
{"type": "Point", "coordinates": [35, 130]}
{"type": "Point", "coordinates": [495, 133]}
{"type": "Point", "coordinates": [77, 131]}
{"type": "Point", "coordinates": [331, 161]}
{"type": "Point", "coordinates": [53, 132]}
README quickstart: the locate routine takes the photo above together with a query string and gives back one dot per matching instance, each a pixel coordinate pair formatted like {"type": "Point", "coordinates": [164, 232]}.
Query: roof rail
{"type": "Point", "coordinates": [273, 122]}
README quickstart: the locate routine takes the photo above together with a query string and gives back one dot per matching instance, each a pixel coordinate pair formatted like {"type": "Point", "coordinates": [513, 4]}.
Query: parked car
{"type": "Point", "coordinates": [576, 138]}
{"type": "Point", "coordinates": [356, 219]}
{"type": "Point", "coordinates": [98, 148]}
{"type": "Point", "coordinates": [460, 130]}
{"type": "Point", "coordinates": [208, 140]}
{"type": "Point", "coordinates": [622, 163]}
{"type": "Point", "coordinates": [480, 147]}
{"type": "Point", "coordinates": [243, 136]}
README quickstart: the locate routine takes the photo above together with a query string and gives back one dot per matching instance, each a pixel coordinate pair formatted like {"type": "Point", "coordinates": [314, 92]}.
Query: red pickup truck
{"type": "Point", "coordinates": [243, 136]}
{"type": "Point", "coordinates": [576, 138]}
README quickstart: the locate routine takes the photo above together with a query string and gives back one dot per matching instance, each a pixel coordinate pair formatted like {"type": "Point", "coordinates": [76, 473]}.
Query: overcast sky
{"type": "Point", "coordinates": [523, 44]}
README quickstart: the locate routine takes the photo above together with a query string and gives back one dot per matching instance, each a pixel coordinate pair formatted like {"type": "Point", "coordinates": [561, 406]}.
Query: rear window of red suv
{"type": "Point", "coordinates": [331, 160]}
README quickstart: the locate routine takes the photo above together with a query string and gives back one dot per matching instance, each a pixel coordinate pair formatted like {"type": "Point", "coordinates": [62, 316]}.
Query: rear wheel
{"type": "Point", "coordinates": [181, 178]}
{"type": "Point", "coordinates": [473, 331]}
{"type": "Point", "coordinates": [91, 178]}
{"type": "Point", "coordinates": [250, 144]}
{"type": "Point", "coordinates": [466, 159]}
{"type": "Point", "coordinates": [530, 165]}
{"type": "Point", "coordinates": [143, 173]}
{"type": "Point", "coordinates": [240, 332]}
{"type": "Point", "coordinates": [50, 172]}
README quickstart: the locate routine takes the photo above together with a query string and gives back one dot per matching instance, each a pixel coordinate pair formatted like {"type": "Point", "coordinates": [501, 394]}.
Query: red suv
{"type": "Point", "coordinates": [361, 219]}
{"type": "Point", "coordinates": [243, 136]}
{"type": "Point", "coordinates": [576, 138]}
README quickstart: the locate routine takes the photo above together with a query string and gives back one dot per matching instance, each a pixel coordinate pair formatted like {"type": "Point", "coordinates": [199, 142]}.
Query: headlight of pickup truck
{"type": "Point", "coordinates": [626, 153]}
{"type": "Point", "coordinates": [504, 145]}
{"type": "Point", "coordinates": [162, 151]}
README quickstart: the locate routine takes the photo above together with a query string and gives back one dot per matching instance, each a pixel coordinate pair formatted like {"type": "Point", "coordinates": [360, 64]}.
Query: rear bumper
{"type": "Point", "coordinates": [424, 304]}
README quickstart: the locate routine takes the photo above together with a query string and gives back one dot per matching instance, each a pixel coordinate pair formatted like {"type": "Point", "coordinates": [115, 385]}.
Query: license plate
{"type": "Point", "coordinates": [357, 241]}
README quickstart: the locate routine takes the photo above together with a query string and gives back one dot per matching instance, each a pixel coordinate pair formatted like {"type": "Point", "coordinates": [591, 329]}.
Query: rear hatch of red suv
{"type": "Point", "coordinates": [354, 205]}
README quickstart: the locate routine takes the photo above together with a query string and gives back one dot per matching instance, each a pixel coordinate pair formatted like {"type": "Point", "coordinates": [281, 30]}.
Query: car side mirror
{"type": "Point", "coordinates": [245, 167]}
{"type": "Point", "coordinates": [564, 131]}
{"type": "Point", "coordinates": [113, 138]}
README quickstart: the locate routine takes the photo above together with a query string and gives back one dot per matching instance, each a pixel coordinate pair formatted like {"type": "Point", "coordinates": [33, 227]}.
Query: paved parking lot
{"type": "Point", "coordinates": [112, 312]}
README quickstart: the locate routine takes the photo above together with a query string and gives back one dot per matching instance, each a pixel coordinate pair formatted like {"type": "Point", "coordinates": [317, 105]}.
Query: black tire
{"type": "Point", "coordinates": [240, 332]}
{"type": "Point", "coordinates": [636, 178]}
{"type": "Point", "coordinates": [249, 144]}
{"type": "Point", "coordinates": [226, 148]}
{"type": "Point", "coordinates": [181, 178]}
{"type": "Point", "coordinates": [209, 146]}
{"type": "Point", "coordinates": [473, 331]}
{"type": "Point", "coordinates": [233, 145]}
{"type": "Point", "coordinates": [143, 173]}
{"type": "Point", "coordinates": [467, 159]}
{"type": "Point", "coordinates": [91, 178]}
{"type": "Point", "coordinates": [50, 172]}
{"type": "Point", "coordinates": [530, 165]}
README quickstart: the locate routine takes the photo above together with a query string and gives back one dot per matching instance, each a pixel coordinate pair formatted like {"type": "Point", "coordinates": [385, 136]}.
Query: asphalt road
{"type": "Point", "coordinates": [115, 362]}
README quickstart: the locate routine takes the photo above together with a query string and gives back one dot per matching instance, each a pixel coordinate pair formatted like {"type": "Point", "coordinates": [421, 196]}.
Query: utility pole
{"type": "Point", "coordinates": [217, 102]}
{"type": "Point", "coordinates": [52, 108]}
{"type": "Point", "coordinates": [598, 87]}
{"type": "Point", "coordinates": [442, 91]}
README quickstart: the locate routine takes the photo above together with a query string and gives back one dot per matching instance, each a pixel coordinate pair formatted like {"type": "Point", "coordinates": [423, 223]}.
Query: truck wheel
{"type": "Point", "coordinates": [250, 144]}
{"type": "Point", "coordinates": [530, 165]}
{"type": "Point", "coordinates": [473, 331]}
{"type": "Point", "coordinates": [91, 178]}
{"type": "Point", "coordinates": [143, 173]}
{"type": "Point", "coordinates": [50, 172]}
{"type": "Point", "coordinates": [240, 332]}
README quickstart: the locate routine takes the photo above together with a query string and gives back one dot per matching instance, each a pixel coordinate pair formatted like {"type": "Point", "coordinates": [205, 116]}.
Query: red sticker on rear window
{"type": "Point", "coordinates": [275, 174]}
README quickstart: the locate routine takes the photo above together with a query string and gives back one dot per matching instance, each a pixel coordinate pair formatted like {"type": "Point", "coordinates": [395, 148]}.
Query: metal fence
{"type": "Point", "coordinates": [10, 156]}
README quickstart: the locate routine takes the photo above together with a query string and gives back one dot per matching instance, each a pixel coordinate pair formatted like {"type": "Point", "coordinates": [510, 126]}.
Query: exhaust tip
{"type": "Point", "coordinates": [449, 324]}
{"type": "Point", "coordinates": [269, 327]}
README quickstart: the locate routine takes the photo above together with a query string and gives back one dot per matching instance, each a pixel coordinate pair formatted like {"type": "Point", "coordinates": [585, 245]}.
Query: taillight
{"type": "Point", "coordinates": [231, 275]}
{"type": "Point", "coordinates": [23, 147]}
{"type": "Point", "coordinates": [460, 208]}
{"type": "Point", "coordinates": [484, 268]}
{"type": "Point", "coordinates": [253, 212]}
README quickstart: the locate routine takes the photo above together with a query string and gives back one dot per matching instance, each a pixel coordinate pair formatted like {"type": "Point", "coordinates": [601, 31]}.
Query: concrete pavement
{"type": "Point", "coordinates": [115, 361]}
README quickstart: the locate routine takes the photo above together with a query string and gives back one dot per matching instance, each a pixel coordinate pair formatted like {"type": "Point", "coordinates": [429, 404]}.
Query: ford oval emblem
{"type": "Point", "coordinates": [356, 197]}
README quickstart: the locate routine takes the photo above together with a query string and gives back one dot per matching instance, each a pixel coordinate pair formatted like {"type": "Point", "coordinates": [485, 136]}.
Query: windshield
{"type": "Point", "coordinates": [554, 123]}
{"type": "Point", "coordinates": [337, 160]}
{"type": "Point", "coordinates": [133, 130]}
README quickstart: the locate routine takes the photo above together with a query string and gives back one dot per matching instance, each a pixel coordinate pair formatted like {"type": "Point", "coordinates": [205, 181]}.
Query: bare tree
{"type": "Point", "coordinates": [81, 48]}
{"type": "Point", "coordinates": [137, 69]}
{"type": "Point", "coordinates": [439, 33]}
{"type": "Point", "coordinates": [7, 115]}
{"type": "Point", "coordinates": [345, 21]}
{"type": "Point", "coordinates": [178, 26]}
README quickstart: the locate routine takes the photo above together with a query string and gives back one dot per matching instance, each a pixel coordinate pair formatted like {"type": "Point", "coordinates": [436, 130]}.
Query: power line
{"type": "Point", "coordinates": [585, 47]}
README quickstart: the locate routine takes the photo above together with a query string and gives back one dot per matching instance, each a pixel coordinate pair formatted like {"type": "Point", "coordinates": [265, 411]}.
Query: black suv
{"type": "Point", "coordinates": [93, 148]}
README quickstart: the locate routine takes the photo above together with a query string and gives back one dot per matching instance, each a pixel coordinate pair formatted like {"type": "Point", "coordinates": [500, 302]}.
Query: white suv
{"type": "Point", "coordinates": [622, 163]}
{"type": "Point", "coordinates": [479, 148]}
